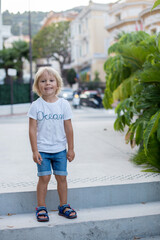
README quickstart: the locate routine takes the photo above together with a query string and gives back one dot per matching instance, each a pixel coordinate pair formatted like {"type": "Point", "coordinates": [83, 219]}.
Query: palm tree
{"type": "Point", "coordinates": [7, 57]}
{"type": "Point", "coordinates": [21, 50]}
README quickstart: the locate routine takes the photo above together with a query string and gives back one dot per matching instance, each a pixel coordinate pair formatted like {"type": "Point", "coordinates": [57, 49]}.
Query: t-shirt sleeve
{"type": "Point", "coordinates": [67, 110]}
{"type": "Point", "coordinates": [32, 112]}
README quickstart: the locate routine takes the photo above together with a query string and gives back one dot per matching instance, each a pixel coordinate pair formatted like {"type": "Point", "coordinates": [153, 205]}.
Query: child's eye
{"type": "Point", "coordinates": [52, 80]}
{"type": "Point", "coordinates": [43, 80]}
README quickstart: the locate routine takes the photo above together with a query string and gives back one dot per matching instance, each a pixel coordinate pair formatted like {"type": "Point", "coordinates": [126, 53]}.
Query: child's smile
{"type": "Point", "coordinates": [47, 85]}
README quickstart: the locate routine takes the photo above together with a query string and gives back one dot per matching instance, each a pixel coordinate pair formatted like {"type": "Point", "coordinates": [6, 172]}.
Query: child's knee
{"type": "Point", "coordinates": [60, 179]}
{"type": "Point", "coordinates": [44, 179]}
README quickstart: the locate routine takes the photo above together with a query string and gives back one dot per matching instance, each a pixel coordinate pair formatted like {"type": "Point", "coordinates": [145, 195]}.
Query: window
{"type": "Point", "coordinates": [153, 31]}
{"type": "Point", "coordinates": [118, 17]}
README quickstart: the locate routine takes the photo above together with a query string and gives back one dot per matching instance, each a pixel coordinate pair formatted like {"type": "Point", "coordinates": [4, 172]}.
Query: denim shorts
{"type": "Point", "coordinates": [53, 161]}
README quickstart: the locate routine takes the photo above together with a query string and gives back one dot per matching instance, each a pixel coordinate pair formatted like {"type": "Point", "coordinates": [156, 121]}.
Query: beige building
{"type": "Point", "coordinates": [89, 41]}
{"type": "Point", "coordinates": [150, 20]}
{"type": "Point", "coordinates": [129, 16]}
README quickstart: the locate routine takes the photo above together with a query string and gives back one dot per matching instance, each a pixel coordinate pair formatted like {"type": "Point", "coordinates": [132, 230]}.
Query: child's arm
{"type": "Point", "coordinates": [69, 135]}
{"type": "Point", "coordinates": [33, 140]}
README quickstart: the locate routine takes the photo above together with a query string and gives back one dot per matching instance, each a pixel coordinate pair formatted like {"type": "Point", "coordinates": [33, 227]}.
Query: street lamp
{"type": "Point", "coordinates": [30, 53]}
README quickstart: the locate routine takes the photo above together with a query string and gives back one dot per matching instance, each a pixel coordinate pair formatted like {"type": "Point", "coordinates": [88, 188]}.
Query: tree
{"type": "Point", "coordinates": [53, 42]}
{"type": "Point", "coordinates": [21, 50]}
{"type": "Point", "coordinates": [7, 58]}
{"type": "Point", "coordinates": [133, 77]}
{"type": "Point", "coordinates": [19, 21]}
{"type": "Point", "coordinates": [71, 76]}
{"type": "Point", "coordinates": [13, 58]}
{"type": "Point", "coordinates": [96, 77]}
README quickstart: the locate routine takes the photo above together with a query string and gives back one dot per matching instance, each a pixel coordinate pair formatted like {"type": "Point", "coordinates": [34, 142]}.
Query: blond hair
{"type": "Point", "coordinates": [50, 71]}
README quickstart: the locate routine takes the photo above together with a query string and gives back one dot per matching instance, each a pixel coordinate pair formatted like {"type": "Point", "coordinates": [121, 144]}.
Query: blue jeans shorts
{"type": "Point", "coordinates": [53, 161]}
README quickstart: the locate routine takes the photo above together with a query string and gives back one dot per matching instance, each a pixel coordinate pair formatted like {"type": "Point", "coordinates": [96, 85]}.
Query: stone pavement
{"type": "Point", "coordinates": [102, 157]}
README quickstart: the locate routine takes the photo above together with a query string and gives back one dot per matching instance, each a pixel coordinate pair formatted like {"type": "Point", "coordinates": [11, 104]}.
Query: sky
{"type": "Point", "coordinates": [44, 5]}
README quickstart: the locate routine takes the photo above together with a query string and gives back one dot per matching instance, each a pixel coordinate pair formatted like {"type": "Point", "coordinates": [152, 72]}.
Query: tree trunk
{"type": "Point", "coordinates": [20, 74]}
{"type": "Point", "coordinates": [7, 78]}
{"type": "Point", "coordinates": [63, 73]}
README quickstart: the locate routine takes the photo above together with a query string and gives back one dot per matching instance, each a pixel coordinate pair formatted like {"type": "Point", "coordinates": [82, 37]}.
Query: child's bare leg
{"type": "Point", "coordinates": [62, 190]}
{"type": "Point", "coordinates": [42, 190]}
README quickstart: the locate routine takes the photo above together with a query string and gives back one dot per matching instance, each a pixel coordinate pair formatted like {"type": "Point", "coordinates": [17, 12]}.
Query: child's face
{"type": "Point", "coordinates": [47, 85]}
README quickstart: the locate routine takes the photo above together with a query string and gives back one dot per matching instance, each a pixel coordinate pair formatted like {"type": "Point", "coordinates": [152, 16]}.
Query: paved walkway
{"type": "Point", "coordinates": [102, 157]}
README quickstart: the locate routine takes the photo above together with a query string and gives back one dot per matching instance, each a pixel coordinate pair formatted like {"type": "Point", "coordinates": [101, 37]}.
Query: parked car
{"type": "Point", "coordinates": [91, 98]}
{"type": "Point", "coordinates": [66, 93]}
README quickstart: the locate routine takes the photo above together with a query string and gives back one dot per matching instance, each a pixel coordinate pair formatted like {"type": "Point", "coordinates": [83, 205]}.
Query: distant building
{"type": "Point", "coordinates": [128, 16]}
{"type": "Point", "coordinates": [54, 17]}
{"type": "Point", "coordinates": [89, 41]}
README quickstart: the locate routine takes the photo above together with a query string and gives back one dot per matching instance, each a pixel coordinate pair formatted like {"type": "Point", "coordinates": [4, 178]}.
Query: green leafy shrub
{"type": "Point", "coordinates": [133, 77]}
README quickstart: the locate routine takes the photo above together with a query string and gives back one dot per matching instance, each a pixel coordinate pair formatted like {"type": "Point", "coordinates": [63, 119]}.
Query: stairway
{"type": "Point", "coordinates": [112, 212]}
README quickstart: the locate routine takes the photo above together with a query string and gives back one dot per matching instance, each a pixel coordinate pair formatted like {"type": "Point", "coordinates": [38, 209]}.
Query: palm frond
{"type": "Point", "coordinates": [156, 4]}
{"type": "Point", "coordinates": [151, 129]}
{"type": "Point", "coordinates": [151, 74]}
{"type": "Point", "coordinates": [126, 88]}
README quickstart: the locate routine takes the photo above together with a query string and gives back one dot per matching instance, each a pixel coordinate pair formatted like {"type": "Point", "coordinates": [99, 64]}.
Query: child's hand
{"type": "Point", "coordinates": [70, 155]}
{"type": "Point", "coordinates": [37, 157]}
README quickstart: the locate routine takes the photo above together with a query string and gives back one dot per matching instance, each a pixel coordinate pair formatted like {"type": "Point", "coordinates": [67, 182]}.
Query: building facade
{"type": "Point", "coordinates": [89, 40]}
{"type": "Point", "coordinates": [126, 17]}
{"type": "Point", "coordinates": [150, 20]}
{"type": "Point", "coordinates": [54, 17]}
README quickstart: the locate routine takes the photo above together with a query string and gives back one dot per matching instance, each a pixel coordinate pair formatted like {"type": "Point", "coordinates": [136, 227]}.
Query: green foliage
{"type": "Point", "coordinates": [133, 77]}
{"type": "Point", "coordinates": [83, 77]}
{"type": "Point", "coordinates": [147, 161]}
{"type": "Point", "coordinates": [19, 22]}
{"type": "Point", "coordinates": [21, 49]}
{"type": "Point", "coordinates": [96, 77]}
{"type": "Point", "coordinates": [21, 93]}
{"type": "Point", "coordinates": [151, 128]}
{"type": "Point", "coordinates": [13, 57]}
{"type": "Point", "coordinates": [7, 58]}
{"type": "Point", "coordinates": [124, 112]}
{"type": "Point", "coordinates": [53, 42]}
{"type": "Point", "coordinates": [71, 76]}
{"type": "Point", "coordinates": [156, 4]}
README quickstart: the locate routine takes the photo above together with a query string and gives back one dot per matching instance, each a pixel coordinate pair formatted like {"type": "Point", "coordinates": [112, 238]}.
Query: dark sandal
{"type": "Point", "coordinates": [44, 215]}
{"type": "Point", "coordinates": [68, 212]}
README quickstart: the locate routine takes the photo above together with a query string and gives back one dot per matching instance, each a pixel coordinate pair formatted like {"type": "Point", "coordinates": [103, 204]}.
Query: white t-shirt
{"type": "Point", "coordinates": [51, 137]}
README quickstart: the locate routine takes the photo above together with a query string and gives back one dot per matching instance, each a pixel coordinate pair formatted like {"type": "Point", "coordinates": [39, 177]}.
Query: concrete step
{"type": "Point", "coordinates": [125, 222]}
{"type": "Point", "coordinates": [80, 198]}
{"type": "Point", "coordinates": [150, 238]}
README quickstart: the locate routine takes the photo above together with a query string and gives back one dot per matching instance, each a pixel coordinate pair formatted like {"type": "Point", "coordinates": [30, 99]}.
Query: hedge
{"type": "Point", "coordinates": [21, 93]}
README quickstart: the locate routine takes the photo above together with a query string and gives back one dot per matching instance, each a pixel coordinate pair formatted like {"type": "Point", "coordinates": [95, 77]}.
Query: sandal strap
{"type": "Point", "coordinates": [42, 216]}
{"type": "Point", "coordinates": [42, 208]}
{"type": "Point", "coordinates": [63, 207]}
{"type": "Point", "coordinates": [68, 212]}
